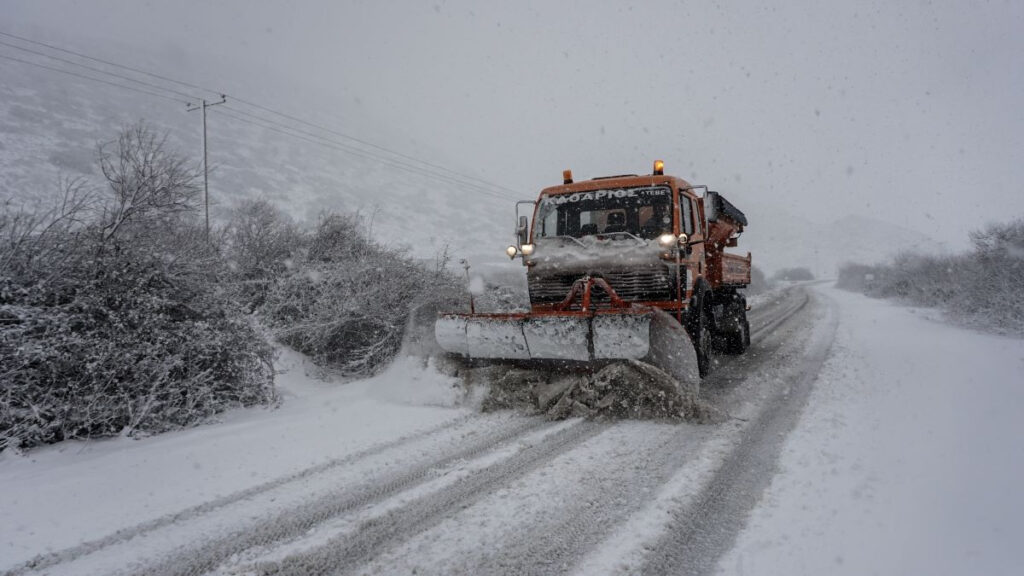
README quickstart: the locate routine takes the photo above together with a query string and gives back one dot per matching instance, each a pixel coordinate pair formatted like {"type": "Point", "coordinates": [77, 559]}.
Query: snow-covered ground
{"type": "Point", "coordinates": [73, 492]}
{"type": "Point", "coordinates": [906, 459]}
{"type": "Point", "coordinates": [909, 458]}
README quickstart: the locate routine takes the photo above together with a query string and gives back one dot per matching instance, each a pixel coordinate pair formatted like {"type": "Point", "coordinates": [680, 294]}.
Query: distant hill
{"type": "Point", "coordinates": [50, 124]}
{"type": "Point", "coordinates": [778, 239]}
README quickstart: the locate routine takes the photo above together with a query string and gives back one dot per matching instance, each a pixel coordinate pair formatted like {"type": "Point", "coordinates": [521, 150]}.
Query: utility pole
{"type": "Point", "coordinates": [203, 105]}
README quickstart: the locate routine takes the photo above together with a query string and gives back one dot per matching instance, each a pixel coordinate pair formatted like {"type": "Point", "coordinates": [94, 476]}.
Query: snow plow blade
{"type": "Point", "coordinates": [579, 340]}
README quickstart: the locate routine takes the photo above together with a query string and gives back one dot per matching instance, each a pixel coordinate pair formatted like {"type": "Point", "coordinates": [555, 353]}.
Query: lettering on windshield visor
{"type": "Point", "coordinates": [602, 194]}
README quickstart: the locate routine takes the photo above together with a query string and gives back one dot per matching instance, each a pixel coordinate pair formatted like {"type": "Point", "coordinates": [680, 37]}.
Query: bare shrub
{"type": "Point", "coordinates": [260, 243]}
{"type": "Point", "coordinates": [996, 274]}
{"type": "Point", "coordinates": [793, 274]}
{"type": "Point", "coordinates": [112, 320]}
{"type": "Point", "coordinates": [36, 236]}
{"type": "Point", "coordinates": [146, 182]}
{"type": "Point", "coordinates": [348, 301]}
{"type": "Point", "coordinates": [982, 288]}
{"type": "Point", "coordinates": [856, 277]}
{"type": "Point", "coordinates": [759, 283]}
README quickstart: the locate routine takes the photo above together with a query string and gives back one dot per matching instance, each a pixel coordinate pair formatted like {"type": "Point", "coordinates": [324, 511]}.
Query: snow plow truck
{"type": "Point", "coordinates": [622, 271]}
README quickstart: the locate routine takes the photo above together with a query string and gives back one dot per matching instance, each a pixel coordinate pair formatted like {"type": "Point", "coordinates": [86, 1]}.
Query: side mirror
{"type": "Point", "coordinates": [523, 230]}
{"type": "Point", "coordinates": [711, 204]}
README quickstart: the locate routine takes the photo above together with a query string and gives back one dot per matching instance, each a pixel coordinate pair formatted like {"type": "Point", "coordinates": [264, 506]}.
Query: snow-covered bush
{"type": "Point", "coordinates": [997, 277]}
{"type": "Point", "coordinates": [112, 319]}
{"type": "Point", "coordinates": [983, 288]}
{"type": "Point", "coordinates": [259, 242]}
{"type": "Point", "coordinates": [759, 283]}
{"type": "Point", "coordinates": [347, 301]}
{"type": "Point", "coordinates": [793, 274]}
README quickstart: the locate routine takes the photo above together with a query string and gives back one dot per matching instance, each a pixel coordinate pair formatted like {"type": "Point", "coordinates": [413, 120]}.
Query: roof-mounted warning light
{"type": "Point", "coordinates": [659, 167]}
{"type": "Point", "coordinates": [566, 176]}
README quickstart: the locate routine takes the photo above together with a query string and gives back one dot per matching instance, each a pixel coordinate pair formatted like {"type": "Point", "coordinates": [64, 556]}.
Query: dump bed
{"type": "Point", "coordinates": [725, 224]}
{"type": "Point", "coordinates": [733, 270]}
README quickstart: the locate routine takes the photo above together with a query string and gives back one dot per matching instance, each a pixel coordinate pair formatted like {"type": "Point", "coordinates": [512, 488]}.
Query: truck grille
{"type": "Point", "coordinates": [630, 286]}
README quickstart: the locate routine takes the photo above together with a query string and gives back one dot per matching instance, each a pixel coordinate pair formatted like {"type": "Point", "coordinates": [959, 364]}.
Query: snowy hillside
{"type": "Point", "coordinates": [779, 239]}
{"type": "Point", "coordinates": [50, 124]}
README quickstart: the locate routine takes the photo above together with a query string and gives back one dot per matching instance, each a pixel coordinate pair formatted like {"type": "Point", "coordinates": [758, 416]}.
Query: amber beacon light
{"type": "Point", "coordinates": [566, 176]}
{"type": "Point", "coordinates": [659, 167]}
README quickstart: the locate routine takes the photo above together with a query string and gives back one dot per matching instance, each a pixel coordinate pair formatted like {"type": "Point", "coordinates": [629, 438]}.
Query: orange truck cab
{"type": "Point", "coordinates": [652, 240]}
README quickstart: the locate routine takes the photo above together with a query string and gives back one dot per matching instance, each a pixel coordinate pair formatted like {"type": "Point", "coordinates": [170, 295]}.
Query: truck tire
{"type": "Point", "coordinates": [737, 340]}
{"type": "Point", "coordinates": [699, 327]}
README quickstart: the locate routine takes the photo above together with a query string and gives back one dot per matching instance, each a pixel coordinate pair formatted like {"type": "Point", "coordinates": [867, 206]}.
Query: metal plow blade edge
{"type": "Point", "coordinates": [649, 336]}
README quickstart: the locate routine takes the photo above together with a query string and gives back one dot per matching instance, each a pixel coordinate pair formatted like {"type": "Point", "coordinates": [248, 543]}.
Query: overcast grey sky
{"type": "Point", "coordinates": [905, 110]}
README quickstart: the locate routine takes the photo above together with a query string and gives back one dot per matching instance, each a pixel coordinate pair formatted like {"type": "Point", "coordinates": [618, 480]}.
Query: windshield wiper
{"type": "Point", "coordinates": [630, 234]}
{"type": "Point", "coordinates": [576, 240]}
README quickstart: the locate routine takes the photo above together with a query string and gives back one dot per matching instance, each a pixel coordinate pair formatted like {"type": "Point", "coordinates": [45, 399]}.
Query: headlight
{"type": "Point", "coordinates": [511, 251]}
{"type": "Point", "coordinates": [666, 239]}
{"type": "Point", "coordinates": [527, 249]}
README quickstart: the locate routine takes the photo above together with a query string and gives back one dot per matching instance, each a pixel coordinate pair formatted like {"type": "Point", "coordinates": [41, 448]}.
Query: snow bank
{"type": "Point", "coordinates": [907, 460]}
{"type": "Point", "coordinates": [61, 495]}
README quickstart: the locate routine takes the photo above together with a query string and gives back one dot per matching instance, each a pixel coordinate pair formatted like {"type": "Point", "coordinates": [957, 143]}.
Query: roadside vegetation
{"type": "Point", "coordinates": [120, 315]}
{"type": "Point", "coordinates": [759, 283]}
{"type": "Point", "coordinates": [981, 288]}
{"type": "Point", "coordinates": [793, 275]}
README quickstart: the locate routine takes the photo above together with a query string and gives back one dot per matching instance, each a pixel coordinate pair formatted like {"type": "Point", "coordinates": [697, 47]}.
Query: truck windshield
{"type": "Point", "coordinates": [644, 212]}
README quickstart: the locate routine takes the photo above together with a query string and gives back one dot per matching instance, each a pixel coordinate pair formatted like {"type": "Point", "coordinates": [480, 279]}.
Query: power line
{"type": "Point", "coordinates": [335, 145]}
{"type": "Point", "coordinates": [94, 69]}
{"type": "Point", "coordinates": [447, 173]}
{"type": "Point", "coordinates": [327, 143]}
{"type": "Point", "coordinates": [322, 141]}
{"type": "Point", "coordinates": [77, 75]}
{"type": "Point", "coordinates": [370, 144]}
{"type": "Point", "coordinates": [355, 151]}
{"type": "Point", "coordinates": [259, 107]}
{"type": "Point", "coordinates": [368, 154]}
{"type": "Point", "coordinates": [107, 62]}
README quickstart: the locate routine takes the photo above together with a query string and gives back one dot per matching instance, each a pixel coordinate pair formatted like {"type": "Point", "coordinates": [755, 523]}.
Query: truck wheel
{"type": "Point", "coordinates": [703, 344]}
{"type": "Point", "coordinates": [699, 327]}
{"type": "Point", "coordinates": [737, 340]}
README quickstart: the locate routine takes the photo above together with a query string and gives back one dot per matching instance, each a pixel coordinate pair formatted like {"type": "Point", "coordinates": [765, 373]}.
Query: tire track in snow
{"type": "Point", "coordinates": [341, 555]}
{"type": "Point", "coordinates": [557, 538]}
{"type": "Point", "coordinates": [769, 317]}
{"type": "Point", "coordinates": [571, 504]}
{"type": "Point", "coordinates": [772, 333]}
{"type": "Point", "coordinates": [125, 535]}
{"type": "Point", "coordinates": [751, 383]}
{"type": "Point", "coordinates": [699, 533]}
{"type": "Point", "coordinates": [583, 526]}
{"type": "Point", "coordinates": [289, 524]}
{"type": "Point", "coordinates": [577, 522]}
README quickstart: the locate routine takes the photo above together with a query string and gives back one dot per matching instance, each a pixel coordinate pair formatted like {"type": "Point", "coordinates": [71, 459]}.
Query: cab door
{"type": "Point", "coordinates": [692, 254]}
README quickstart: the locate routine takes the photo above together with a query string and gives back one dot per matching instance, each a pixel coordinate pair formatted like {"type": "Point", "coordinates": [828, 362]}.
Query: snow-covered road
{"type": "Point", "coordinates": [394, 475]}
{"type": "Point", "coordinates": [909, 458]}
